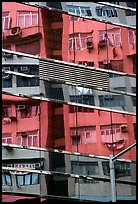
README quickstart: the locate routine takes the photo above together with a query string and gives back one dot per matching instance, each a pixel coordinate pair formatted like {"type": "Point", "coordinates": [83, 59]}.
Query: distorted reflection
{"type": "Point", "coordinates": [70, 38]}
{"type": "Point", "coordinates": [69, 127]}
{"type": "Point", "coordinates": [68, 82]}
{"type": "Point", "coordinates": [66, 174]}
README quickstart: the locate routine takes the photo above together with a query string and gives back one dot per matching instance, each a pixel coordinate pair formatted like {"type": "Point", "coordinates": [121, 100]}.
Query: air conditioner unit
{"type": "Point", "coordinates": [6, 69]}
{"type": "Point", "coordinates": [6, 121]}
{"type": "Point", "coordinates": [107, 96]}
{"type": "Point", "coordinates": [124, 128]}
{"type": "Point", "coordinates": [24, 69]}
{"type": "Point", "coordinates": [15, 31]}
{"type": "Point", "coordinates": [20, 107]}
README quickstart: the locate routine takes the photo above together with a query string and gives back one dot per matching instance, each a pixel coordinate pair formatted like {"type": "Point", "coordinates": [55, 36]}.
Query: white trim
{"type": "Point", "coordinates": [117, 6]}
{"type": "Point", "coordinates": [68, 63]}
{"type": "Point", "coordinates": [3, 22]}
{"type": "Point", "coordinates": [30, 14]}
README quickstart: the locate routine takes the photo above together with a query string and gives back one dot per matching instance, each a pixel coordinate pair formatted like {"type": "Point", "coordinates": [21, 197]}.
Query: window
{"type": "Point", "coordinates": [133, 98]}
{"type": "Point", "coordinates": [3, 180]}
{"type": "Point", "coordinates": [120, 167]}
{"type": "Point", "coordinates": [7, 78]}
{"type": "Point", "coordinates": [28, 82]}
{"type": "Point", "coordinates": [7, 138]}
{"type": "Point", "coordinates": [27, 110]}
{"type": "Point", "coordinates": [6, 179]}
{"type": "Point", "coordinates": [7, 83]}
{"type": "Point", "coordinates": [112, 36]}
{"type": "Point", "coordinates": [79, 10]}
{"type": "Point", "coordinates": [83, 99]}
{"type": "Point", "coordinates": [78, 41]}
{"type": "Point", "coordinates": [5, 20]}
{"type": "Point", "coordinates": [106, 11]}
{"type": "Point", "coordinates": [27, 18]}
{"type": "Point", "coordinates": [27, 179]}
{"type": "Point", "coordinates": [107, 132]}
{"type": "Point", "coordinates": [35, 179]}
{"type": "Point", "coordinates": [32, 48]}
{"type": "Point", "coordinates": [30, 139]}
{"type": "Point", "coordinates": [6, 111]}
{"type": "Point", "coordinates": [85, 168]}
{"type": "Point", "coordinates": [86, 135]}
{"type": "Point", "coordinates": [117, 100]}
{"type": "Point", "coordinates": [132, 37]}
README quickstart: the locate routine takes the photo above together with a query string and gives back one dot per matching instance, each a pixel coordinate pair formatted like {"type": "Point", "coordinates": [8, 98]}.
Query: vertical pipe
{"type": "Point", "coordinates": [112, 178]}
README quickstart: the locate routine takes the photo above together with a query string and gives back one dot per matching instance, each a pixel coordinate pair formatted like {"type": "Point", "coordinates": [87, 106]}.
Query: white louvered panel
{"type": "Point", "coordinates": [73, 74]}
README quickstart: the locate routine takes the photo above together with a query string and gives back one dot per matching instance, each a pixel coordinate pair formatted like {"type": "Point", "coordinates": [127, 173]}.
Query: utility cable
{"type": "Point", "coordinates": [76, 107]}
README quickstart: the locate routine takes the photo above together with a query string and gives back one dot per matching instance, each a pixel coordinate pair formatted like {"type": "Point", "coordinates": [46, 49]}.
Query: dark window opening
{"type": "Point", "coordinates": [28, 82]}
{"type": "Point", "coordinates": [121, 169]}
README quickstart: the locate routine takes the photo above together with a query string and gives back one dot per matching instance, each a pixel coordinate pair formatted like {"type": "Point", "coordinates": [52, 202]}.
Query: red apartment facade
{"type": "Point", "coordinates": [29, 122]}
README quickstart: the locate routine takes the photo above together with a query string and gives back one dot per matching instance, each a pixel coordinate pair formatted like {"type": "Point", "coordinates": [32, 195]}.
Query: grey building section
{"type": "Point", "coordinates": [68, 82]}
{"type": "Point", "coordinates": [65, 174]}
{"type": "Point", "coordinates": [96, 10]}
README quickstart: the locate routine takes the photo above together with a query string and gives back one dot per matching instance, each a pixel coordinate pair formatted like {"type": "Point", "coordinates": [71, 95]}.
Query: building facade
{"type": "Point", "coordinates": [69, 83]}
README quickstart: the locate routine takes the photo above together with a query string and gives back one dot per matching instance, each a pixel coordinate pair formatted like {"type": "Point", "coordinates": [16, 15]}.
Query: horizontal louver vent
{"type": "Point", "coordinates": [73, 74]}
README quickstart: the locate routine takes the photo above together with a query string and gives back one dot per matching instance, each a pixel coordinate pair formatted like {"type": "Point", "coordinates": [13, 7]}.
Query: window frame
{"type": "Point", "coordinates": [23, 177]}
{"type": "Point", "coordinates": [82, 10]}
{"type": "Point", "coordinates": [4, 19]}
{"type": "Point", "coordinates": [25, 15]}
